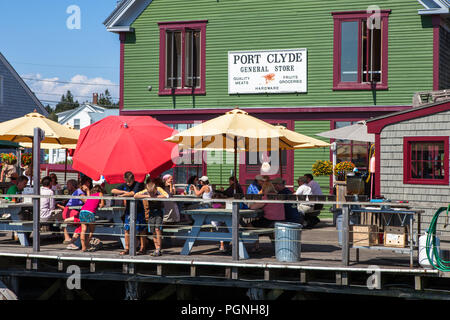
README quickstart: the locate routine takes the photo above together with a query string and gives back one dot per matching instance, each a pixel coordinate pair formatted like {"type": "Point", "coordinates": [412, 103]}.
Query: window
{"type": "Point", "coordinates": [182, 57]}
{"type": "Point", "coordinates": [192, 167]}
{"type": "Point", "coordinates": [360, 50]}
{"type": "Point", "coordinates": [76, 124]}
{"type": "Point", "coordinates": [425, 160]}
{"type": "Point", "coordinates": [350, 150]}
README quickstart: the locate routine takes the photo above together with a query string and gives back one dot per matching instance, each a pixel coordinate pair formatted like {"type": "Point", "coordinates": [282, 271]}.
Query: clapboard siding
{"type": "Point", "coordinates": [305, 158]}
{"type": "Point", "coordinates": [282, 24]}
{"type": "Point", "coordinates": [391, 158]}
{"type": "Point", "coordinates": [220, 165]}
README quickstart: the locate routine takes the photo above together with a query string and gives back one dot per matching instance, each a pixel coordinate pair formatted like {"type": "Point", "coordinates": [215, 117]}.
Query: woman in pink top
{"type": "Point", "coordinates": [87, 215]}
{"type": "Point", "coordinates": [273, 212]}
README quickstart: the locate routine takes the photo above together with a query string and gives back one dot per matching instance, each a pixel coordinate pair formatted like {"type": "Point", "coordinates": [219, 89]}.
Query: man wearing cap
{"type": "Point", "coordinates": [256, 185]}
{"type": "Point", "coordinates": [290, 209]}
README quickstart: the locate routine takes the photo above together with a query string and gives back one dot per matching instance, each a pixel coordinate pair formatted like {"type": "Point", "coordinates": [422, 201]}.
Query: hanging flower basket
{"type": "Point", "coordinates": [322, 168]}
{"type": "Point", "coordinates": [8, 158]}
{"type": "Point", "coordinates": [342, 168]}
{"type": "Point", "coordinates": [27, 158]}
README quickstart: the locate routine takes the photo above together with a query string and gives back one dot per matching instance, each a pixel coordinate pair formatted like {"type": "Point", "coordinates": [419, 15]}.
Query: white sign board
{"type": "Point", "coordinates": [268, 71]}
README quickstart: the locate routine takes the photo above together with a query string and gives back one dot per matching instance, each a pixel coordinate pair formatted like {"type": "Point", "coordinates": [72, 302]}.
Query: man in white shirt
{"type": "Point", "coordinates": [305, 190]}
{"type": "Point", "coordinates": [48, 212]}
{"type": "Point", "coordinates": [315, 187]}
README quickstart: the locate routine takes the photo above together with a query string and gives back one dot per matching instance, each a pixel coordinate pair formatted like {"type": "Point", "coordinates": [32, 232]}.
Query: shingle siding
{"type": "Point", "coordinates": [391, 158]}
{"type": "Point", "coordinates": [16, 100]}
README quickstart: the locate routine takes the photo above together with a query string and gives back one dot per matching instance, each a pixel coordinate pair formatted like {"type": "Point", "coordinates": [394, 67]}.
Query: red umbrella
{"type": "Point", "coordinates": [117, 144]}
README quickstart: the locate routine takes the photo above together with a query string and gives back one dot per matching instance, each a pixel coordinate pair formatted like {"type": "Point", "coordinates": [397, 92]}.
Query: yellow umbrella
{"type": "Point", "coordinates": [235, 130]}
{"type": "Point", "coordinates": [301, 141]}
{"type": "Point", "coordinates": [22, 130]}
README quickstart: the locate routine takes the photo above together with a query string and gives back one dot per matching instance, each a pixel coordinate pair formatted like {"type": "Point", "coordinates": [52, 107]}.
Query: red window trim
{"type": "Point", "coordinates": [352, 16]}
{"type": "Point", "coordinates": [407, 160]}
{"type": "Point", "coordinates": [182, 25]}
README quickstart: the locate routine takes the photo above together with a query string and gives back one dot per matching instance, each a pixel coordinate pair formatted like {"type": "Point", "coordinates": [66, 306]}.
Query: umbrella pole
{"type": "Point", "coordinates": [65, 166]}
{"type": "Point", "coordinates": [235, 164]}
{"type": "Point", "coordinates": [280, 164]}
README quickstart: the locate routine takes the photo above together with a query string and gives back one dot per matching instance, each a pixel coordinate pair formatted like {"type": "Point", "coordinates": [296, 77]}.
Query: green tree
{"type": "Point", "coordinates": [105, 100]}
{"type": "Point", "coordinates": [67, 102]}
{"type": "Point", "coordinates": [51, 113]}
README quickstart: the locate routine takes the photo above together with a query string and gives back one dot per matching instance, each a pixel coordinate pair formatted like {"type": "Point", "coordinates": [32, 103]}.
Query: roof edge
{"type": "Point", "coordinates": [376, 125]}
{"type": "Point", "coordinates": [23, 84]}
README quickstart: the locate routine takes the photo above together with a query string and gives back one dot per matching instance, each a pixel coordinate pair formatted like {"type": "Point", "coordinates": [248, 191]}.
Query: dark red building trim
{"type": "Point", "coordinates": [122, 38]}
{"type": "Point", "coordinates": [182, 26]}
{"type": "Point", "coordinates": [376, 126]}
{"type": "Point", "coordinates": [436, 20]}
{"type": "Point", "coordinates": [407, 179]}
{"type": "Point", "coordinates": [340, 17]}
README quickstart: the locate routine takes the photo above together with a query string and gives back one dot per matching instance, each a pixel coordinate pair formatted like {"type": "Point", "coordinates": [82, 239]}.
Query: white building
{"type": "Point", "coordinates": [79, 118]}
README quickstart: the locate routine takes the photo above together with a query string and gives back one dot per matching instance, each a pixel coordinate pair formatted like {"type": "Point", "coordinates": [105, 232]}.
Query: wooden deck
{"type": "Point", "coordinates": [320, 267]}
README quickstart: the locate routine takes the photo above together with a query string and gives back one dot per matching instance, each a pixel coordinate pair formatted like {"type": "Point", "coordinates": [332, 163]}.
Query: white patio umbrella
{"type": "Point", "coordinates": [357, 132]}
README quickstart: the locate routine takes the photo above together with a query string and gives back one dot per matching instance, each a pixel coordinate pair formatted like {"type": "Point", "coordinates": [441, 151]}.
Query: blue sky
{"type": "Point", "coordinates": [39, 45]}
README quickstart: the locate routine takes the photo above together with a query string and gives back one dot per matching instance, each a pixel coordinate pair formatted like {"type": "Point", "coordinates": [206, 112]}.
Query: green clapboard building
{"type": "Point", "coordinates": [309, 65]}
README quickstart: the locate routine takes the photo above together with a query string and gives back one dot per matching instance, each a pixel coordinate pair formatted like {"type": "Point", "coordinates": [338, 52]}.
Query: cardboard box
{"type": "Point", "coordinates": [364, 235]}
{"type": "Point", "coordinates": [395, 237]}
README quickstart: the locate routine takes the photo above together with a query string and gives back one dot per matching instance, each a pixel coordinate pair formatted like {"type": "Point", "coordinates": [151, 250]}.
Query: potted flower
{"type": "Point", "coordinates": [8, 158]}
{"type": "Point", "coordinates": [322, 168]}
{"type": "Point", "coordinates": [342, 168]}
{"type": "Point", "coordinates": [27, 158]}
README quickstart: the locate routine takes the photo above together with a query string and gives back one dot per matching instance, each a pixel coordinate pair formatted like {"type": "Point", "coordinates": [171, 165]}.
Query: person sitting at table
{"type": "Point", "coordinates": [129, 189]}
{"type": "Point", "coordinates": [72, 215]}
{"type": "Point", "coordinates": [155, 220]}
{"type": "Point", "coordinates": [29, 174]}
{"type": "Point", "coordinates": [290, 209]}
{"type": "Point", "coordinates": [193, 180]}
{"type": "Point", "coordinates": [304, 209]}
{"type": "Point", "coordinates": [55, 186]}
{"type": "Point", "coordinates": [8, 169]}
{"type": "Point", "coordinates": [229, 192]}
{"type": "Point", "coordinates": [273, 212]}
{"type": "Point", "coordinates": [48, 210]}
{"type": "Point", "coordinates": [206, 191]}
{"type": "Point", "coordinates": [315, 187]}
{"type": "Point", "coordinates": [168, 184]}
{"type": "Point", "coordinates": [19, 183]}
{"type": "Point", "coordinates": [256, 185]}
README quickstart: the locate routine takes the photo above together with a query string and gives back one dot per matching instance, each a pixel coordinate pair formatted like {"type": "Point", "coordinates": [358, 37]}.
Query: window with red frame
{"type": "Point", "coordinates": [426, 160]}
{"type": "Point", "coordinates": [360, 50]}
{"type": "Point", "coordinates": [182, 57]}
{"type": "Point", "coordinates": [356, 152]}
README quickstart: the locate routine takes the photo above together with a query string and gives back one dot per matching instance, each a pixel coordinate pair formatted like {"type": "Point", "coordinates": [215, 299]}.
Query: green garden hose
{"type": "Point", "coordinates": [436, 261]}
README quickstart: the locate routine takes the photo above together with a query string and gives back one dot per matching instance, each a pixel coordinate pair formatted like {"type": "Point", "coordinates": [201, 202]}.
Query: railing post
{"type": "Point", "coordinates": [345, 235]}
{"type": "Point", "coordinates": [132, 240]}
{"type": "Point", "coordinates": [235, 231]}
{"type": "Point", "coordinates": [38, 137]}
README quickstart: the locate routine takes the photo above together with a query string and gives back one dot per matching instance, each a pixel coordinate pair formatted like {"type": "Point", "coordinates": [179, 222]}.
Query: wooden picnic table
{"type": "Point", "coordinates": [14, 222]}
{"type": "Point", "coordinates": [205, 216]}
